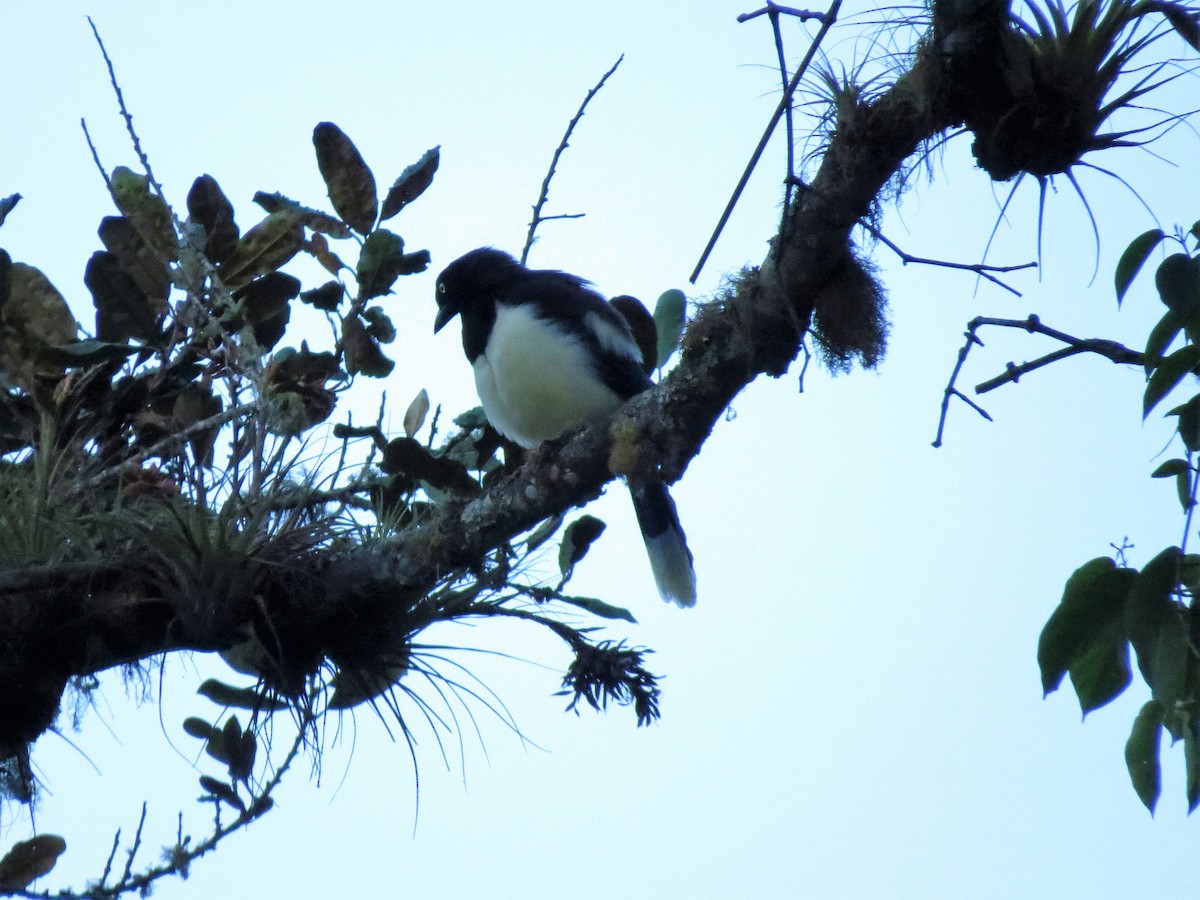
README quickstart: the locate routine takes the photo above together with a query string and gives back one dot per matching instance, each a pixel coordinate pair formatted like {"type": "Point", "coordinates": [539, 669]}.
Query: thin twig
{"type": "Point", "coordinates": [951, 391]}
{"type": "Point", "coordinates": [785, 102]}
{"type": "Point", "coordinates": [774, 10]}
{"type": "Point", "coordinates": [538, 218]}
{"type": "Point", "coordinates": [95, 152]}
{"type": "Point", "coordinates": [983, 270]}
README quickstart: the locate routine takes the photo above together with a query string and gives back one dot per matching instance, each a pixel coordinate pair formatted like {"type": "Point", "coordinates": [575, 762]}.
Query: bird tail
{"type": "Point", "coordinates": [670, 558]}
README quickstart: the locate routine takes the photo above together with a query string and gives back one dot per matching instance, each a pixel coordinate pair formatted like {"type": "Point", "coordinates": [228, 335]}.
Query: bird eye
{"type": "Point", "coordinates": [441, 288]}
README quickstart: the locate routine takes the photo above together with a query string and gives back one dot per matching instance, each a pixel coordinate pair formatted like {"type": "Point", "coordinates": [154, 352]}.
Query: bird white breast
{"type": "Point", "coordinates": [536, 381]}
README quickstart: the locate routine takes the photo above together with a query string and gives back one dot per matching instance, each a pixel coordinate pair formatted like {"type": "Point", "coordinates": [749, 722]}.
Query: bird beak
{"type": "Point", "coordinates": [445, 314]}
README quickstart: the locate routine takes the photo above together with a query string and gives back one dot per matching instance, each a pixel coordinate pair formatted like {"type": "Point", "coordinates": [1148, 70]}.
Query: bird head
{"type": "Point", "coordinates": [471, 280]}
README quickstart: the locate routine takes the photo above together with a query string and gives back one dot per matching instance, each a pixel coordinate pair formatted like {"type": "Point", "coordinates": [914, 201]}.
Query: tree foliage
{"type": "Point", "coordinates": [155, 490]}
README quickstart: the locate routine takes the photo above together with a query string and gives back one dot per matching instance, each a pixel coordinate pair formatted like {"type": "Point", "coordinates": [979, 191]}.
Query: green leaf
{"type": "Point", "coordinates": [350, 182]}
{"type": "Point", "coordinates": [264, 249]}
{"type": "Point", "coordinates": [1162, 335]}
{"type": "Point", "coordinates": [669, 314]}
{"type": "Point", "coordinates": [1141, 754]}
{"type": "Point", "coordinates": [148, 212]}
{"type": "Point", "coordinates": [1171, 468]}
{"type": "Point", "coordinates": [1101, 672]}
{"type": "Point", "coordinates": [379, 263]}
{"type": "Point", "coordinates": [1167, 374]}
{"type": "Point", "coordinates": [1090, 611]}
{"type": "Point", "coordinates": [1189, 423]}
{"type": "Point", "coordinates": [198, 728]}
{"type": "Point", "coordinates": [600, 608]}
{"type": "Point", "coordinates": [1178, 283]}
{"type": "Point", "coordinates": [411, 184]}
{"type": "Point", "coordinates": [1134, 258]}
{"type": "Point", "coordinates": [576, 541]}
{"type": "Point", "coordinates": [1155, 627]}
{"type": "Point", "coordinates": [1191, 761]}
{"type": "Point", "coordinates": [138, 259]}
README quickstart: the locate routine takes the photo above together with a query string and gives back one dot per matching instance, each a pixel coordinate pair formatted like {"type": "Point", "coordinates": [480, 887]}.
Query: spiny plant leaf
{"type": "Point", "coordinates": [411, 184]}
{"type": "Point", "coordinates": [349, 181]}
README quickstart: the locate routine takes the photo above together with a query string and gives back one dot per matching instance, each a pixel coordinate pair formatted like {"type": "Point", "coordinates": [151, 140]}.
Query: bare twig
{"type": "Point", "coordinates": [983, 270]}
{"type": "Point", "coordinates": [785, 102]}
{"type": "Point", "coordinates": [538, 218]}
{"type": "Point", "coordinates": [1111, 350]}
{"type": "Point", "coordinates": [774, 10]}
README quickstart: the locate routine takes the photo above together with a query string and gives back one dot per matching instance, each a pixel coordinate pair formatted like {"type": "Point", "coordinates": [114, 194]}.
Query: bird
{"type": "Point", "coordinates": [549, 354]}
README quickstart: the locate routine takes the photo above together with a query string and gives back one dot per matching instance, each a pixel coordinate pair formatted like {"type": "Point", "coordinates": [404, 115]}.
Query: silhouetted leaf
{"type": "Point", "coordinates": [327, 297]}
{"type": "Point", "coordinates": [1191, 762]}
{"type": "Point", "coordinates": [1178, 283]}
{"type": "Point", "coordinates": [1141, 754]}
{"type": "Point", "coordinates": [543, 532]}
{"type": "Point", "coordinates": [1167, 374]}
{"type": "Point", "coordinates": [1162, 335]}
{"type": "Point", "coordinates": [145, 210]}
{"type": "Point", "coordinates": [267, 306]}
{"type": "Point", "coordinates": [312, 219]}
{"type": "Point", "coordinates": [123, 310]}
{"type": "Point", "coordinates": [81, 354]}
{"type": "Point", "coordinates": [669, 313]}
{"type": "Point", "coordinates": [208, 205]}
{"type": "Point", "coordinates": [222, 791]}
{"type": "Point", "coordinates": [362, 353]}
{"type": "Point", "coordinates": [411, 184]}
{"type": "Point", "coordinates": [1101, 672]}
{"type": "Point", "coordinates": [198, 728]}
{"type": "Point", "coordinates": [1154, 624]}
{"type": "Point", "coordinates": [140, 262]}
{"type": "Point", "coordinates": [1134, 258]}
{"type": "Point", "coordinates": [29, 860]}
{"type": "Point", "coordinates": [600, 608]}
{"type": "Point", "coordinates": [577, 539]}
{"type": "Point", "coordinates": [354, 686]}
{"type": "Point", "coordinates": [379, 325]}
{"type": "Point", "coordinates": [1091, 609]}
{"type": "Point", "coordinates": [351, 184]}
{"type": "Point", "coordinates": [238, 698]}
{"type": "Point", "coordinates": [1189, 423]}
{"type": "Point", "coordinates": [263, 249]}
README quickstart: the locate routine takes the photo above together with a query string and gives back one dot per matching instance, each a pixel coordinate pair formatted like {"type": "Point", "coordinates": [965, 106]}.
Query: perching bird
{"type": "Point", "coordinates": [550, 353]}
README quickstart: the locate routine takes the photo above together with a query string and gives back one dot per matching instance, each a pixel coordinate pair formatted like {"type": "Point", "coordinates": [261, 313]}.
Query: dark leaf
{"type": "Point", "coordinates": [263, 249]}
{"type": "Point", "coordinates": [379, 325]}
{"type": "Point", "coordinates": [145, 210]}
{"type": "Point", "coordinates": [577, 538]}
{"type": "Point", "coordinates": [327, 297]}
{"type": "Point", "coordinates": [543, 532]}
{"type": "Point", "coordinates": [29, 860]}
{"type": "Point", "coordinates": [361, 351]}
{"type": "Point", "coordinates": [1167, 374]}
{"type": "Point", "coordinates": [222, 791]}
{"type": "Point", "coordinates": [143, 265]}
{"type": "Point", "coordinates": [1171, 468]}
{"type": "Point", "coordinates": [5, 278]}
{"type": "Point", "coordinates": [412, 461]}
{"type": "Point", "coordinates": [379, 263]}
{"type": "Point", "coordinates": [351, 184]}
{"type": "Point", "coordinates": [312, 219]}
{"type": "Point", "coordinates": [1101, 672]}
{"type": "Point", "coordinates": [1191, 761]}
{"type": "Point", "coordinates": [194, 404]}
{"type": "Point", "coordinates": [669, 313]}
{"type": "Point", "coordinates": [354, 686]}
{"type": "Point", "coordinates": [1178, 283]}
{"type": "Point", "coordinates": [86, 353]}
{"type": "Point", "coordinates": [1141, 754]}
{"type": "Point", "coordinates": [641, 323]}
{"type": "Point", "coordinates": [241, 760]}
{"type": "Point", "coordinates": [7, 204]}
{"type": "Point", "coordinates": [1090, 611]}
{"type": "Point", "coordinates": [239, 698]}
{"type": "Point", "coordinates": [411, 184]}
{"type": "Point", "coordinates": [267, 306]}
{"type": "Point", "coordinates": [1134, 258]}
{"type": "Point", "coordinates": [123, 310]}
{"type": "Point", "coordinates": [208, 205]}
{"type": "Point", "coordinates": [1155, 627]}
{"type": "Point", "coordinates": [600, 608]}
{"type": "Point", "coordinates": [413, 263]}
{"type": "Point", "coordinates": [1162, 335]}
{"type": "Point", "coordinates": [198, 728]}
{"type": "Point", "coordinates": [1189, 423]}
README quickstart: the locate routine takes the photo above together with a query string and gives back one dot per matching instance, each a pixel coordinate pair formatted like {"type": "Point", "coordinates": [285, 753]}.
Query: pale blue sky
{"type": "Point", "coordinates": [853, 709]}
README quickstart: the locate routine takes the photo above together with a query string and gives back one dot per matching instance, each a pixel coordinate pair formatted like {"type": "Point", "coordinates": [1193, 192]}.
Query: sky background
{"type": "Point", "coordinates": [853, 709]}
